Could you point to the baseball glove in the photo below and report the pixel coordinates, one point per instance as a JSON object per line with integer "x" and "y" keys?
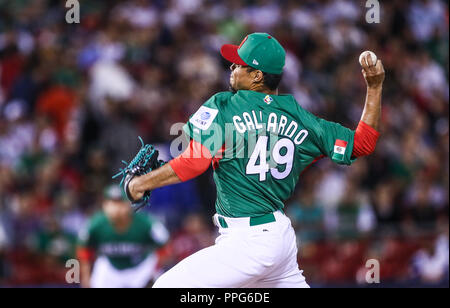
{"x": 145, "y": 161}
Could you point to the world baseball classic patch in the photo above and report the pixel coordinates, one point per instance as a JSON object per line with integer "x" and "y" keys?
{"x": 340, "y": 146}
{"x": 204, "y": 117}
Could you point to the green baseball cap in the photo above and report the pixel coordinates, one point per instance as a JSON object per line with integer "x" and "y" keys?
{"x": 114, "y": 192}
{"x": 258, "y": 50}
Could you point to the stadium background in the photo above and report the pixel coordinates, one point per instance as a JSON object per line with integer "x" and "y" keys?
{"x": 74, "y": 98}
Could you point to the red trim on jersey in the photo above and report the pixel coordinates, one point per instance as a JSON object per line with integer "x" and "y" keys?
{"x": 365, "y": 140}
{"x": 192, "y": 162}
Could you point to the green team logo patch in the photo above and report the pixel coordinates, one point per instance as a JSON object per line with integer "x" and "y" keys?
{"x": 339, "y": 150}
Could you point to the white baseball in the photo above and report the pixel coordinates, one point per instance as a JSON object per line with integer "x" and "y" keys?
{"x": 372, "y": 55}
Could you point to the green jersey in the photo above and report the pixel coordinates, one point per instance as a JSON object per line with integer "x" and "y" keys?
{"x": 125, "y": 249}
{"x": 260, "y": 144}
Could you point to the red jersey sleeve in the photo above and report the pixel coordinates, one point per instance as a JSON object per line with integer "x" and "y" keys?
{"x": 365, "y": 140}
{"x": 192, "y": 162}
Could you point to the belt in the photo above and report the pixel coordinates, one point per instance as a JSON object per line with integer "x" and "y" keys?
{"x": 253, "y": 221}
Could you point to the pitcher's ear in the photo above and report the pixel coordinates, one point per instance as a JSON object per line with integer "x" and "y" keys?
{"x": 259, "y": 76}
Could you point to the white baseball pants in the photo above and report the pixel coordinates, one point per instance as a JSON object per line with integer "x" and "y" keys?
{"x": 244, "y": 256}
{"x": 104, "y": 275}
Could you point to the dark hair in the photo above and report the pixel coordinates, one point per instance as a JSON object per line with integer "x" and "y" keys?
{"x": 271, "y": 81}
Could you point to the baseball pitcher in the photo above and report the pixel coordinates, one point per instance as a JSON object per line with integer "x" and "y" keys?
{"x": 258, "y": 142}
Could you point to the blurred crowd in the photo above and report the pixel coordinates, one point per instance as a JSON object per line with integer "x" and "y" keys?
{"x": 75, "y": 97}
